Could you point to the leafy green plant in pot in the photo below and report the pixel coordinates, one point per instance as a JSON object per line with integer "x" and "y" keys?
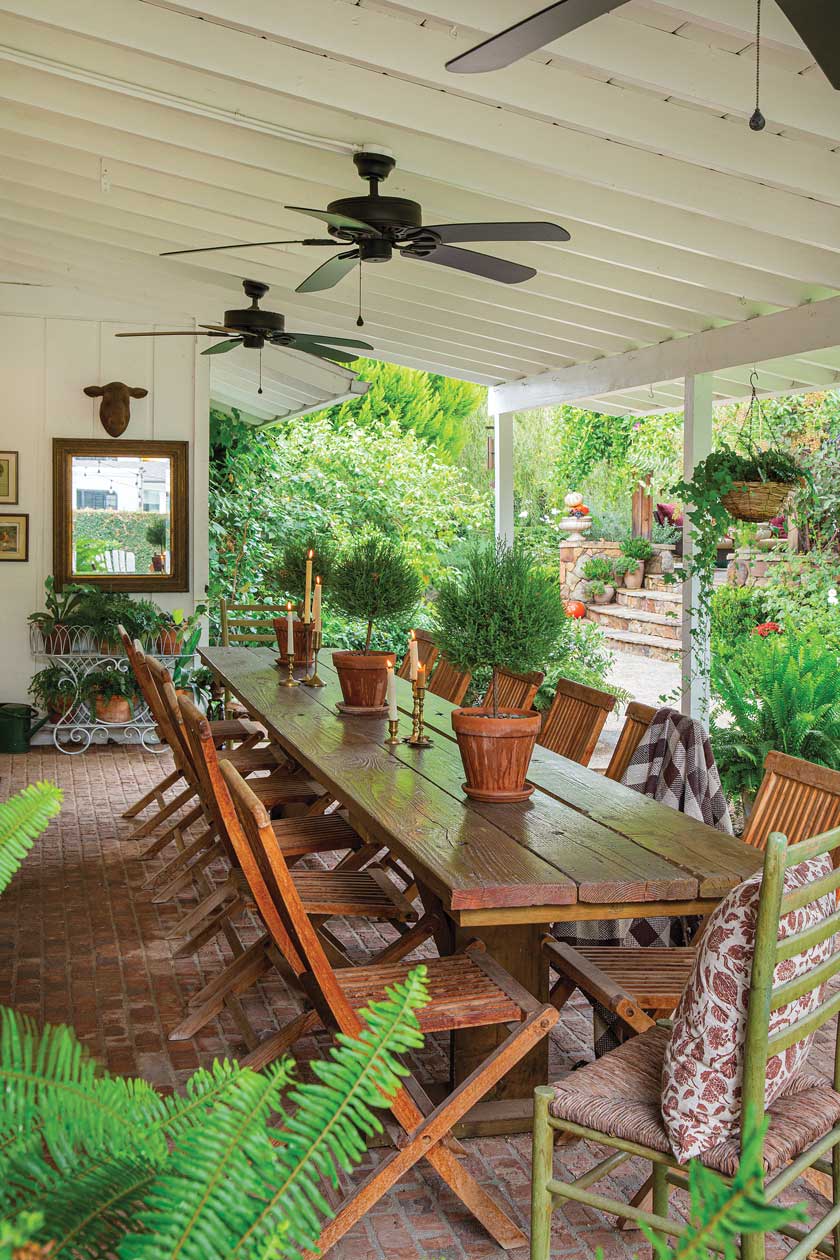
{"x": 600, "y": 574}
{"x": 59, "y": 609}
{"x": 634, "y": 553}
{"x": 156, "y": 537}
{"x": 289, "y": 577}
{"x": 372, "y": 578}
{"x": 112, "y": 694}
{"x": 53, "y": 689}
{"x": 499, "y": 612}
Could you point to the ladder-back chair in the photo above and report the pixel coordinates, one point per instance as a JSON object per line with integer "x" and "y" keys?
{"x": 803, "y": 1137}
{"x": 248, "y": 625}
{"x": 513, "y": 691}
{"x": 468, "y": 989}
{"x": 637, "y": 719}
{"x": 575, "y": 720}
{"x": 641, "y": 985}
{"x": 448, "y": 682}
{"x": 326, "y": 894}
{"x": 427, "y": 652}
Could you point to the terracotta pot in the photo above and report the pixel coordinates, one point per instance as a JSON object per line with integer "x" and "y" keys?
{"x": 158, "y": 563}
{"x": 634, "y": 578}
{"x": 606, "y": 598}
{"x": 364, "y": 678}
{"x": 109, "y": 647}
{"x": 280, "y": 629}
{"x": 59, "y": 707}
{"x": 59, "y": 642}
{"x": 116, "y": 709}
{"x": 496, "y": 752}
{"x": 168, "y": 642}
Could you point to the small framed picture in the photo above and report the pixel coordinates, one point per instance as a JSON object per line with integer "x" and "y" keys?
{"x": 8, "y": 476}
{"x": 14, "y": 536}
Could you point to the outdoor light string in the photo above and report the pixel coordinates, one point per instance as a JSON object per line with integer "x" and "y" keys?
{"x": 758, "y": 122}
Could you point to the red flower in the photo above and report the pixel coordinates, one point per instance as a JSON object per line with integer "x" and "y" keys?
{"x": 768, "y": 627}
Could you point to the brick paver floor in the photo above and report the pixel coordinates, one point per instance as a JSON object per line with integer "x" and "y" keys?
{"x": 82, "y": 943}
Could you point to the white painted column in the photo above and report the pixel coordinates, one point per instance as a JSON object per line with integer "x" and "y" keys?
{"x": 697, "y": 443}
{"x": 503, "y": 444}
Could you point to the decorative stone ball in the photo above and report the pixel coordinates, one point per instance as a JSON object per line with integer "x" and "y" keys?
{"x": 574, "y": 608}
{"x": 573, "y": 500}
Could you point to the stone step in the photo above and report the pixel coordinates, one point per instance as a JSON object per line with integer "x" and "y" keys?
{"x": 650, "y": 645}
{"x": 655, "y": 582}
{"x": 650, "y": 600}
{"x": 635, "y": 620}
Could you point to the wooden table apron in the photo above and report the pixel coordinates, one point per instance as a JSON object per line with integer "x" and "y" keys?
{"x": 583, "y": 847}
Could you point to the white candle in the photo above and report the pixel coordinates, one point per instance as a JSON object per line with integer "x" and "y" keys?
{"x": 393, "y": 713}
{"x": 316, "y": 606}
{"x": 413, "y": 659}
{"x": 421, "y": 675}
{"x": 307, "y": 593}
{"x": 290, "y": 631}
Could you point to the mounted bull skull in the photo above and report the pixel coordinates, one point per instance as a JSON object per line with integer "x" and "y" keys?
{"x": 114, "y": 410}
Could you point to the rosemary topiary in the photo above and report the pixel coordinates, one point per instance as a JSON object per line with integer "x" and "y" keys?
{"x": 500, "y": 611}
{"x": 374, "y": 578}
{"x": 156, "y": 534}
{"x": 289, "y": 573}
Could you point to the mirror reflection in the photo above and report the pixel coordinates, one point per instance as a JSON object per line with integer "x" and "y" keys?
{"x": 121, "y": 515}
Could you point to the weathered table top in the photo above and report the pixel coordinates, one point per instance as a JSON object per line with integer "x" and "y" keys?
{"x": 581, "y": 847}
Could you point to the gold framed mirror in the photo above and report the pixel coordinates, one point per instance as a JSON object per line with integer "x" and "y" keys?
{"x": 121, "y": 514}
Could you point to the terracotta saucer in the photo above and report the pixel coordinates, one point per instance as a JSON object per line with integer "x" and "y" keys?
{"x": 354, "y": 710}
{"x": 498, "y": 798}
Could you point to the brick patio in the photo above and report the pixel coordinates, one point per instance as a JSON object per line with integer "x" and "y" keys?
{"x": 82, "y": 943}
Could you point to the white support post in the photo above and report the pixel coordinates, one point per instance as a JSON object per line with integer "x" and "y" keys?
{"x": 503, "y": 443}
{"x": 697, "y": 443}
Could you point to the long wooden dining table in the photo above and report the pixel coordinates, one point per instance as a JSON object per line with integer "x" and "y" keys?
{"x": 582, "y": 847}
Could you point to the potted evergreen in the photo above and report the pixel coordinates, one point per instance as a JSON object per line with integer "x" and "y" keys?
{"x": 499, "y": 612}
{"x": 600, "y": 578}
{"x": 289, "y": 578}
{"x": 156, "y": 537}
{"x": 371, "y": 578}
{"x": 635, "y": 551}
{"x": 111, "y": 694}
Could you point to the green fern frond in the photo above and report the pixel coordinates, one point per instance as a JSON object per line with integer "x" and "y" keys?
{"x": 23, "y": 818}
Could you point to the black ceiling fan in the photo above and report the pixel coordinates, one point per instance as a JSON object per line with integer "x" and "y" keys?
{"x": 254, "y": 328}
{"x": 374, "y": 226}
{"x": 816, "y": 22}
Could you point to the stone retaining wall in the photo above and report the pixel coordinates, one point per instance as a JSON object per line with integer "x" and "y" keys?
{"x": 574, "y": 555}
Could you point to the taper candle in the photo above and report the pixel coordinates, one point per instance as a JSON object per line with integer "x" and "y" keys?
{"x": 421, "y": 676}
{"x": 307, "y": 592}
{"x": 391, "y": 694}
{"x": 316, "y": 606}
{"x": 290, "y": 630}
{"x": 413, "y": 658}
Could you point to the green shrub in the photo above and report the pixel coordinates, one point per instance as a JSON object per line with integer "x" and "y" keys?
{"x": 736, "y": 611}
{"x": 288, "y": 575}
{"x": 582, "y": 654}
{"x": 636, "y": 548}
{"x": 51, "y": 687}
{"x": 598, "y": 569}
{"x": 101, "y": 529}
{"x": 374, "y": 578}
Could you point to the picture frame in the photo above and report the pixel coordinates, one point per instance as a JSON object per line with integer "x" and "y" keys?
{"x": 9, "y": 492}
{"x": 14, "y": 536}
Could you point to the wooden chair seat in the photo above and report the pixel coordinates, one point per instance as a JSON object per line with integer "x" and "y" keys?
{"x": 367, "y": 894}
{"x": 322, "y": 833}
{"x": 247, "y": 760}
{"x": 286, "y": 790}
{"x": 236, "y": 728}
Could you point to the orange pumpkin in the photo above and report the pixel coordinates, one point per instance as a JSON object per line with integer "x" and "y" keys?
{"x": 574, "y": 608}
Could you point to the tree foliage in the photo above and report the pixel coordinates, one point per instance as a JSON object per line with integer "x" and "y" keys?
{"x": 372, "y": 578}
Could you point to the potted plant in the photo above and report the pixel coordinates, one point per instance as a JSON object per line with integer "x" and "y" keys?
{"x": 634, "y": 551}
{"x": 498, "y": 612}
{"x": 54, "y": 622}
{"x": 372, "y": 578}
{"x": 176, "y": 628}
{"x": 599, "y": 573}
{"x": 156, "y": 537}
{"x": 289, "y": 577}
{"x": 111, "y": 693}
{"x": 53, "y": 689}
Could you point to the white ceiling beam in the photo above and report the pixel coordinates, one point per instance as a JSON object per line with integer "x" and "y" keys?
{"x": 753, "y": 341}
{"x": 352, "y": 395}
{"x": 678, "y": 183}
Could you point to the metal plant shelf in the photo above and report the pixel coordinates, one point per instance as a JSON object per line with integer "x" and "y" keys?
{"x": 78, "y": 651}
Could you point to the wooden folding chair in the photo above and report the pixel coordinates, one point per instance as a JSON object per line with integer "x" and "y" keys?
{"x": 642, "y": 985}
{"x": 637, "y": 719}
{"x": 623, "y": 1091}
{"x": 575, "y": 720}
{"x": 427, "y": 652}
{"x": 367, "y": 894}
{"x": 448, "y": 682}
{"x": 514, "y": 691}
{"x": 468, "y": 990}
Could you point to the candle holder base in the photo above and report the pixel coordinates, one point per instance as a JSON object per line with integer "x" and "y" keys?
{"x": 312, "y": 681}
{"x": 290, "y": 680}
{"x": 422, "y": 741}
{"x": 393, "y": 732}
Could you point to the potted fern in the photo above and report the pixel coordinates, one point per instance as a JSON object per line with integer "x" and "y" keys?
{"x": 111, "y": 693}
{"x": 156, "y": 537}
{"x": 52, "y": 688}
{"x": 372, "y": 578}
{"x": 499, "y": 612}
{"x": 634, "y": 553}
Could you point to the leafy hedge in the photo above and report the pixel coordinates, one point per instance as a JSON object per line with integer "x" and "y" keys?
{"x": 123, "y": 530}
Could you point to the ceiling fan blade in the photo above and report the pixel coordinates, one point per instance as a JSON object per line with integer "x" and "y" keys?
{"x": 220, "y": 328}
{"x": 326, "y": 339}
{"x": 184, "y": 333}
{"x": 532, "y": 33}
{"x": 211, "y": 249}
{"x": 222, "y": 347}
{"x": 476, "y": 264}
{"x": 450, "y": 232}
{"x": 321, "y": 352}
{"x": 341, "y": 221}
{"x": 329, "y": 273}
{"x": 817, "y": 23}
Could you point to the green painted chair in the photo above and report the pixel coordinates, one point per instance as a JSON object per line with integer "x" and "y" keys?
{"x": 633, "y": 1078}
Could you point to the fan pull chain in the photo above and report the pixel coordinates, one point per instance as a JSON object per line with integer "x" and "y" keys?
{"x": 360, "y": 323}
{"x": 758, "y": 122}
{"x": 259, "y": 391}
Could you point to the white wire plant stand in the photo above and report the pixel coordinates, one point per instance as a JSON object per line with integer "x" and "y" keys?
{"x": 78, "y": 651}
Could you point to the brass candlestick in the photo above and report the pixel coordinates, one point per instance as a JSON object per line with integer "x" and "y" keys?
{"x": 313, "y": 647}
{"x": 290, "y": 681}
{"x": 393, "y": 731}
{"x": 417, "y": 738}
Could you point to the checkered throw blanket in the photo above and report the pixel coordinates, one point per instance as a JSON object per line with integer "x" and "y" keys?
{"x": 672, "y": 764}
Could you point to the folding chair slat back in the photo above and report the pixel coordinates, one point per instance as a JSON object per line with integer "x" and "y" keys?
{"x": 427, "y": 651}
{"x": 514, "y": 691}
{"x": 575, "y": 720}
{"x": 448, "y": 682}
{"x": 637, "y": 719}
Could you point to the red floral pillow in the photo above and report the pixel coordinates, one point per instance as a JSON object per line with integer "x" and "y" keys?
{"x": 704, "y": 1061}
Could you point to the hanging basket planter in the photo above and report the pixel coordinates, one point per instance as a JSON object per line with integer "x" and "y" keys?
{"x": 756, "y": 500}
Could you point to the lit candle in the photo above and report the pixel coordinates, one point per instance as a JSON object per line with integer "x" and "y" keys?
{"x": 316, "y": 606}
{"x": 290, "y": 631}
{"x": 307, "y": 593}
{"x": 413, "y": 659}
{"x": 393, "y": 713}
{"x": 421, "y": 675}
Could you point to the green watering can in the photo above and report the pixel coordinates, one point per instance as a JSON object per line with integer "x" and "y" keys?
{"x": 17, "y": 727}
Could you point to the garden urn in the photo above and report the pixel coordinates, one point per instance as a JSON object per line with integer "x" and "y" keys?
{"x": 634, "y": 578}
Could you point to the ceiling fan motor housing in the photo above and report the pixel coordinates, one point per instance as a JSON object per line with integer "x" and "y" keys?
{"x": 252, "y": 319}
